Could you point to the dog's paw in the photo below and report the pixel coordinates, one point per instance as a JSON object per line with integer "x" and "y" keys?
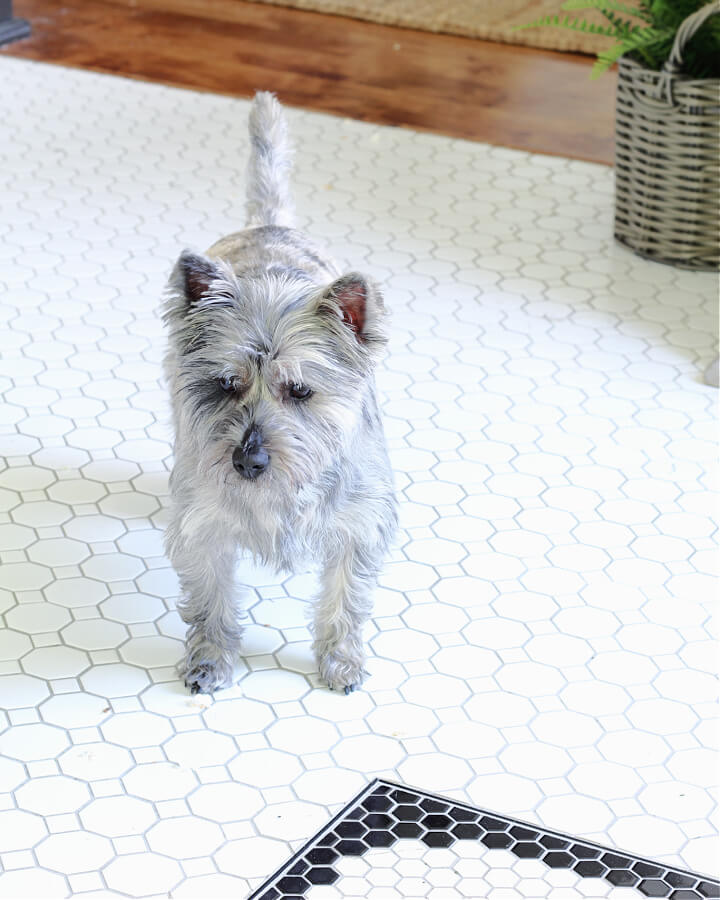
{"x": 342, "y": 673}
{"x": 204, "y": 675}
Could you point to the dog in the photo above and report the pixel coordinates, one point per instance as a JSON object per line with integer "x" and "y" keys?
{"x": 279, "y": 445}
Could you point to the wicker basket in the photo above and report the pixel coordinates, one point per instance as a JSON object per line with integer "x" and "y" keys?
{"x": 667, "y": 159}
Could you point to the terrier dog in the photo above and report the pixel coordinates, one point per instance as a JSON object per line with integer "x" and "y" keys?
{"x": 279, "y": 446}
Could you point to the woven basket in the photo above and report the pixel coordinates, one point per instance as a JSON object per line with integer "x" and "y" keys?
{"x": 667, "y": 159}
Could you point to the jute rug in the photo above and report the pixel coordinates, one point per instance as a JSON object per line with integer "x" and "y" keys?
{"x": 492, "y": 20}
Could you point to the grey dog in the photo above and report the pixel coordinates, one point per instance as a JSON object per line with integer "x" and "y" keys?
{"x": 279, "y": 446}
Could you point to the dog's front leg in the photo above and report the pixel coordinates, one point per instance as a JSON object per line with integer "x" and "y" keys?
{"x": 205, "y": 564}
{"x": 344, "y": 605}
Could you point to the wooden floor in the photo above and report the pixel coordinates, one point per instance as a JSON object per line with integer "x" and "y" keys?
{"x": 512, "y": 96}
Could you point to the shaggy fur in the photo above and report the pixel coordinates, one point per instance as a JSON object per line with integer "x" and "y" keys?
{"x": 279, "y": 447}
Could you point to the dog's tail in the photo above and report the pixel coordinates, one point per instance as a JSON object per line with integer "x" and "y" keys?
{"x": 268, "y": 189}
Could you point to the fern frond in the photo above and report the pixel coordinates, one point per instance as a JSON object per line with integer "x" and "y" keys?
{"x": 624, "y": 27}
{"x": 637, "y": 42}
{"x": 607, "y": 59}
{"x": 647, "y": 36}
{"x": 640, "y": 12}
{"x": 571, "y": 24}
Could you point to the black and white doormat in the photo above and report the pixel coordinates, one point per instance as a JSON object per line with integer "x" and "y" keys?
{"x": 395, "y": 841}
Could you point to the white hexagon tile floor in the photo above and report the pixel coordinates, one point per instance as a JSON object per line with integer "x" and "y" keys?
{"x": 542, "y": 642}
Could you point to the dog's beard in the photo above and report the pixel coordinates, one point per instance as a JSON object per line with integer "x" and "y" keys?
{"x": 294, "y": 466}
{"x": 266, "y": 513}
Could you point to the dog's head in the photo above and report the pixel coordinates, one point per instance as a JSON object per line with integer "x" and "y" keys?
{"x": 268, "y": 370}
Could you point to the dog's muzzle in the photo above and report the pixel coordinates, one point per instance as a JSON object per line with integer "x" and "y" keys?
{"x": 250, "y": 458}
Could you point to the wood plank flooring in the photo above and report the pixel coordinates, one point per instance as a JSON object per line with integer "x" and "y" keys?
{"x": 518, "y": 97}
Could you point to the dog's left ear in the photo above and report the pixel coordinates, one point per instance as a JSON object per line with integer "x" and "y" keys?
{"x": 358, "y": 302}
{"x": 200, "y": 278}
{"x": 198, "y": 281}
{"x": 197, "y": 274}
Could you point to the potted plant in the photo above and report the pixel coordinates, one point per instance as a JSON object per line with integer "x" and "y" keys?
{"x": 667, "y": 123}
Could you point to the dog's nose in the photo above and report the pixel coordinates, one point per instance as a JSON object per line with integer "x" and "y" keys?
{"x": 251, "y": 459}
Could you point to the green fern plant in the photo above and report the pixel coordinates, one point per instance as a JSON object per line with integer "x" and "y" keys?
{"x": 645, "y": 32}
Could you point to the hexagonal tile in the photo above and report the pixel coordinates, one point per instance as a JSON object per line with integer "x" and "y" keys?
{"x": 52, "y": 795}
{"x": 466, "y": 662}
{"x": 113, "y": 567}
{"x": 544, "y": 761}
{"x": 239, "y": 716}
{"x": 36, "y": 618}
{"x": 95, "y": 761}
{"x": 24, "y": 576}
{"x": 129, "y": 504}
{"x": 74, "y": 592}
{"x": 94, "y": 634}
{"x": 336, "y": 707}
{"x": 225, "y": 802}
{"x": 76, "y": 490}
{"x": 251, "y": 857}
{"x": 115, "y": 680}
{"x": 13, "y": 644}
{"x": 131, "y": 608}
{"x": 159, "y": 781}
{"x": 33, "y": 883}
{"x": 265, "y": 768}
{"x": 12, "y": 774}
{"x": 117, "y": 816}
{"x": 15, "y": 537}
{"x": 94, "y": 528}
{"x": 633, "y": 748}
{"x": 42, "y": 514}
{"x": 290, "y": 821}
{"x": 137, "y": 729}
{"x": 74, "y": 710}
{"x": 404, "y": 645}
{"x": 302, "y": 735}
{"x": 368, "y": 752}
{"x": 274, "y": 686}
{"x": 501, "y": 709}
{"x": 21, "y": 830}
{"x": 196, "y": 748}
{"x": 55, "y": 662}
{"x": 185, "y": 837}
{"x": 138, "y": 874}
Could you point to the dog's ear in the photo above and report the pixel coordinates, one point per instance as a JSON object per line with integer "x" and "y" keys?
{"x": 358, "y": 302}
{"x": 197, "y": 278}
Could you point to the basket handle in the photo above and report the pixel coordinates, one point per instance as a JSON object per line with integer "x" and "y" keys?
{"x": 687, "y": 29}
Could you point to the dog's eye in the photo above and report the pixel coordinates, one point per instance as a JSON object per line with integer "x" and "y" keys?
{"x": 227, "y": 383}
{"x": 299, "y": 391}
